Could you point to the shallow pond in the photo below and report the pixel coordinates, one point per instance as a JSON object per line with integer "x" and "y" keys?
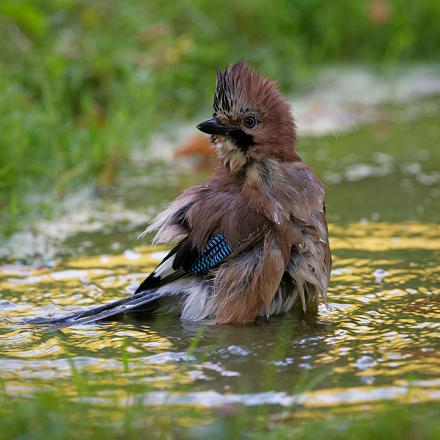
{"x": 377, "y": 341}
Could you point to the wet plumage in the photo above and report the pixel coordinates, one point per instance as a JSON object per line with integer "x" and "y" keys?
{"x": 253, "y": 239}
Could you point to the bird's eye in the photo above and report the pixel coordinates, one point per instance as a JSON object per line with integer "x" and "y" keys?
{"x": 250, "y": 122}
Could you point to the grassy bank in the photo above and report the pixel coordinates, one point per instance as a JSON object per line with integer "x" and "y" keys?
{"x": 83, "y": 82}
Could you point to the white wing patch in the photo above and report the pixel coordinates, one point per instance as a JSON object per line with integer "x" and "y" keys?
{"x": 165, "y": 268}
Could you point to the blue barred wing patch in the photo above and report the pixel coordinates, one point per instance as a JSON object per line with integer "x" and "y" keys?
{"x": 216, "y": 250}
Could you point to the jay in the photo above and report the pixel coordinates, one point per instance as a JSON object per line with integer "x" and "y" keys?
{"x": 252, "y": 240}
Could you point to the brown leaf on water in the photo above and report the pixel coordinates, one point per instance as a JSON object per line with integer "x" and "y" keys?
{"x": 199, "y": 147}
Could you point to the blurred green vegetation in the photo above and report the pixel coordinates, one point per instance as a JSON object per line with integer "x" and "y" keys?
{"x": 82, "y": 82}
{"x": 49, "y": 416}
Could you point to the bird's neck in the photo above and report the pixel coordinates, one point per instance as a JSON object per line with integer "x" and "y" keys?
{"x": 263, "y": 187}
{"x": 240, "y": 162}
{"x": 263, "y": 176}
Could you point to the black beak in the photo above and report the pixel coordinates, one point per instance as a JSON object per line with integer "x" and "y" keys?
{"x": 213, "y": 126}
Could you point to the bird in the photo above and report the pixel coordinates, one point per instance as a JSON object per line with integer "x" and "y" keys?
{"x": 252, "y": 240}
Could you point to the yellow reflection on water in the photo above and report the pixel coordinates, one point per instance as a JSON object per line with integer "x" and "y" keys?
{"x": 404, "y": 393}
{"x": 381, "y": 328}
{"x": 385, "y": 236}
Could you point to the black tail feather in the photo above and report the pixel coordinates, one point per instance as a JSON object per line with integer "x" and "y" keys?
{"x": 101, "y": 312}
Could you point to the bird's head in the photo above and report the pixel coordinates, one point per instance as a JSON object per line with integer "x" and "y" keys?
{"x": 251, "y": 119}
